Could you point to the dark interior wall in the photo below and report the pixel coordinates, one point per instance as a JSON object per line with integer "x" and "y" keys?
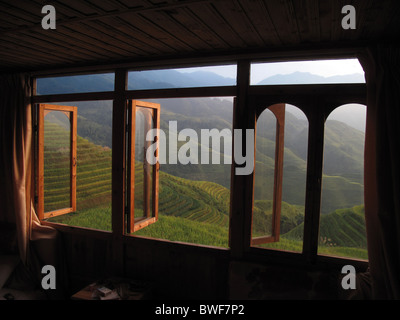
{"x": 181, "y": 271}
{"x": 177, "y": 271}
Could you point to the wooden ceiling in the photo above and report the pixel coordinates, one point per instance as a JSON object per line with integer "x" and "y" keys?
{"x": 90, "y": 32}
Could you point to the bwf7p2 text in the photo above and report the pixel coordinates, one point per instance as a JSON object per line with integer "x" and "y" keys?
{"x": 204, "y": 309}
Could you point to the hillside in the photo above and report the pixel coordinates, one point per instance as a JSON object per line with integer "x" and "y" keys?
{"x": 189, "y": 211}
{"x": 199, "y": 194}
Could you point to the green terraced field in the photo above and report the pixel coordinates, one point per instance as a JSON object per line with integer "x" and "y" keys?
{"x": 189, "y": 211}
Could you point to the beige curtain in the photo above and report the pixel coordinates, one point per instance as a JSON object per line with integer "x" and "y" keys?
{"x": 382, "y": 169}
{"x": 37, "y": 244}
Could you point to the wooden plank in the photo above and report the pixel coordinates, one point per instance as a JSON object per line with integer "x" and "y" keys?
{"x": 284, "y": 20}
{"x": 30, "y": 48}
{"x": 55, "y": 213}
{"x": 208, "y": 14}
{"x": 131, "y": 168}
{"x": 73, "y": 160}
{"x": 156, "y": 167}
{"x": 279, "y": 111}
{"x": 118, "y": 170}
{"x": 192, "y": 22}
{"x": 315, "y": 151}
{"x": 139, "y": 36}
{"x": 241, "y": 185}
{"x": 40, "y": 164}
{"x": 96, "y": 36}
{"x": 131, "y": 41}
{"x": 258, "y": 14}
{"x": 307, "y": 17}
{"x": 153, "y": 24}
{"x": 118, "y": 158}
{"x": 165, "y": 20}
{"x": 147, "y": 185}
{"x": 237, "y": 19}
{"x": 143, "y": 223}
{"x": 227, "y": 91}
{"x": 89, "y": 96}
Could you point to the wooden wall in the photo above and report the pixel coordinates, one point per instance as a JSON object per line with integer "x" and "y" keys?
{"x": 181, "y": 271}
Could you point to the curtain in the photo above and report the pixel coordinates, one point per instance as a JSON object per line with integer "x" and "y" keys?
{"x": 38, "y": 245}
{"x": 382, "y": 175}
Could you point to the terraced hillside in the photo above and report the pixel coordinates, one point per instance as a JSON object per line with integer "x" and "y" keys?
{"x": 93, "y": 170}
{"x": 189, "y": 211}
{"x": 202, "y": 205}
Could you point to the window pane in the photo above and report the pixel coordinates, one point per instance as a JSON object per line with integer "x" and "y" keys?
{"x": 182, "y": 78}
{"x": 143, "y": 170}
{"x": 307, "y": 72}
{"x": 264, "y": 174}
{"x": 93, "y": 177}
{"x": 342, "y": 223}
{"x": 294, "y": 178}
{"x": 57, "y": 161}
{"x": 194, "y": 186}
{"x": 75, "y": 84}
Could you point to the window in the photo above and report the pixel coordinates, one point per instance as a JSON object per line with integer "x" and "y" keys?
{"x": 92, "y": 170}
{"x": 313, "y": 166}
{"x": 342, "y": 222}
{"x": 182, "y": 78}
{"x": 56, "y": 160}
{"x": 280, "y": 178}
{"x": 142, "y": 174}
{"x": 268, "y": 175}
{"x": 307, "y": 72}
{"x": 174, "y": 155}
{"x": 75, "y": 84}
{"x": 195, "y": 167}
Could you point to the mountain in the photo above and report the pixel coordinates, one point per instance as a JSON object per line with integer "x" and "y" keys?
{"x": 308, "y": 78}
{"x": 197, "y": 211}
{"x": 343, "y": 166}
{"x": 137, "y": 80}
{"x": 164, "y": 79}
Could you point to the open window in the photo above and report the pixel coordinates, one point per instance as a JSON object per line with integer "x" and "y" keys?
{"x": 268, "y": 174}
{"x": 56, "y": 171}
{"x": 143, "y": 165}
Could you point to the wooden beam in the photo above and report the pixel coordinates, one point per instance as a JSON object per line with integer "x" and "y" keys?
{"x": 241, "y": 185}
{"x": 314, "y": 180}
{"x": 99, "y": 16}
{"x": 118, "y": 169}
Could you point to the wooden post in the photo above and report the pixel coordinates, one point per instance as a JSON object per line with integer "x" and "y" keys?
{"x": 118, "y": 169}
{"x": 314, "y": 181}
{"x": 241, "y": 185}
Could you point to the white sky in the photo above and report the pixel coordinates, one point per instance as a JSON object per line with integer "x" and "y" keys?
{"x": 324, "y": 68}
{"x": 260, "y": 71}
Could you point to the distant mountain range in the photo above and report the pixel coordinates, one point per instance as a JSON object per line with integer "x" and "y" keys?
{"x": 343, "y": 164}
{"x": 308, "y": 78}
{"x": 164, "y": 79}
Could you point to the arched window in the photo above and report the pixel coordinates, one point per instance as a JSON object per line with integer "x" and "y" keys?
{"x": 342, "y": 223}
{"x": 280, "y": 178}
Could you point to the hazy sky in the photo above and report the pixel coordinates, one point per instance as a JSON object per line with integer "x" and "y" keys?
{"x": 260, "y": 71}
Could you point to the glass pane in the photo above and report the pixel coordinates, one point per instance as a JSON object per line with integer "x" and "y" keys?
{"x": 342, "y": 223}
{"x": 294, "y": 179}
{"x": 75, "y": 84}
{"x": 182, "y": 78}
{"x": 57, "y": 161}
{"x": 194, "y": 194}
{"x": 93, "y": 176}
{"x": 307, "y": 72}
{"x": 264, "y": 174}
{"x": 143, "y": 170}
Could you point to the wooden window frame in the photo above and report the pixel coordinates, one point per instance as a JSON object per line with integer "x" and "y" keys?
{"x": 150, "y": 207}
{"x": 71, "y": 112}
{"x": 306, "y": 97}
{"x": 279, "y": 112}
